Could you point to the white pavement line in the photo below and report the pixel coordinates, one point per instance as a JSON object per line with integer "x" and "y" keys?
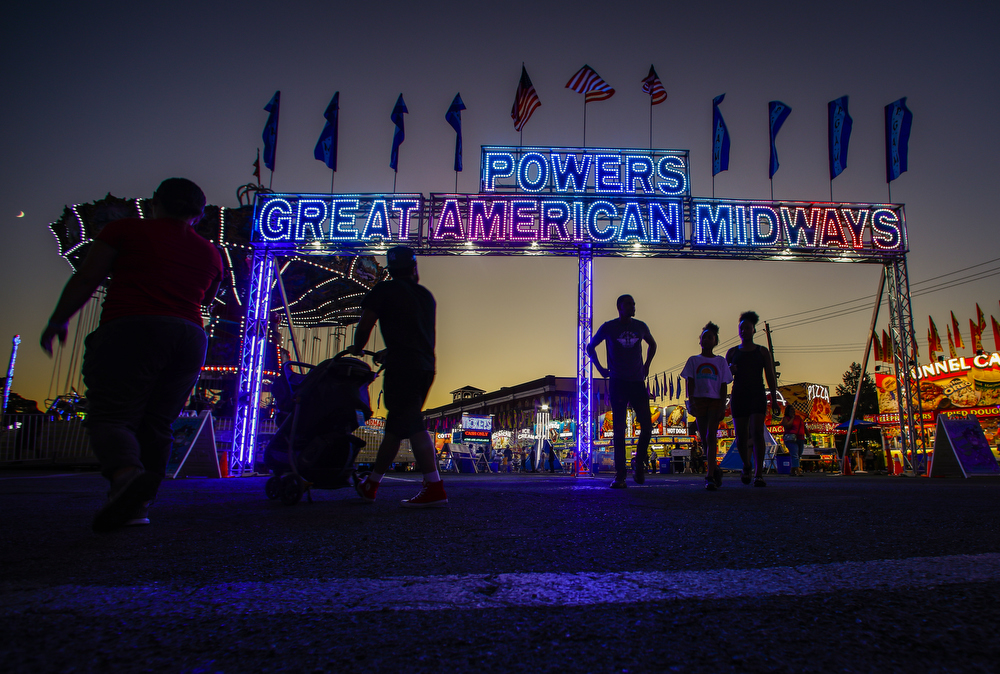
{"x": 506, "y": 590}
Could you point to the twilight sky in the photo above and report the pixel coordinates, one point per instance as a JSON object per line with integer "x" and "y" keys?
{"x": 115, "y": 96}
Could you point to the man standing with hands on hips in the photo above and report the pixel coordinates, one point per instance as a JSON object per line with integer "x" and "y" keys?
{"x": 627, "y": 370}
{"x": 406, "y": 312}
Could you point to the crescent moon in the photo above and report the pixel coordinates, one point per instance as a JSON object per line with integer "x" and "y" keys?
{"x": 20, "y": 214}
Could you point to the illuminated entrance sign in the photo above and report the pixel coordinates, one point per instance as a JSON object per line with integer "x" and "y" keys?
{"x": 610, "y": 202}
{"x": 568, "y": 170}
{"x": 797, "y": 226}
{"x": 581, "y": 202}
{"x": 347, "y": 219}
{"x": 519, "y": 219}
{"x": 609, "y": 225}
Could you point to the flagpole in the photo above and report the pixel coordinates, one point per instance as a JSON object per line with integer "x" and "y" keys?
{"x": 651, "y": 118}
{"x": 333, "y": 174}
{"x": 270, "y": 181}
{"x": 456, "y": 182}
{"x": 771, "y": 180}
{"x": 831, "y": 190}
{"x": 585, "y": 120}
{"x": 395, "y": 172}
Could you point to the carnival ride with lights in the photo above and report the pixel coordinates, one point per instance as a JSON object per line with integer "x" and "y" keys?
{"x": 323, "y": 295}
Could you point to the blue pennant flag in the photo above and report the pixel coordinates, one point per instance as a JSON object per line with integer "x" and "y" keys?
{"x": 326, "y": 146}
{"x": 720, "y": 139}
{"x": 454, "y": 117}
{"x": 397, "y": 137}
{"x": 840, "y": 135}
{"x": 777, "y": 113}
{"x": 898, "y": 120}
{"x": 270, "y": 134}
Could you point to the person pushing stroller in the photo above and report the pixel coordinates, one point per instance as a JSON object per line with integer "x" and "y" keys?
{"x": 405, "y": 311}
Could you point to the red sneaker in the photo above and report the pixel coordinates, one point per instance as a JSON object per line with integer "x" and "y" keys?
{"x": 431, "y": 496}
{"x": 366, "y": 490}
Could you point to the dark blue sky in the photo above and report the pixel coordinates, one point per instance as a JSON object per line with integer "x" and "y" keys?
{"x": 113, "y": 97}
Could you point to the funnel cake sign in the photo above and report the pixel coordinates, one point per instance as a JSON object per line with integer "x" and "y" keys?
{"x": 611, "y": 200}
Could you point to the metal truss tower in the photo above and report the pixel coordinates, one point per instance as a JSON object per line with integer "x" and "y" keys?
{"x": 904, "y": 353}
{"x": 258, "y": 303}
{"x": 584, "y": 380}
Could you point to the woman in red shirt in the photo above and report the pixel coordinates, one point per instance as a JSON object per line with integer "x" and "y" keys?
{"x": 794, "y": 436}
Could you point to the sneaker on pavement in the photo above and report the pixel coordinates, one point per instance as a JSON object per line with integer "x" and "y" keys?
{"x": 432, "y": 495}
{"x": 759, "y": 482}
{"x": 710, "y": 484}
{"x": 366, "y": 490}
{"x": 140, "y": 517}
{"x": 126, "y": 496}
{"x": 619, "y": 483}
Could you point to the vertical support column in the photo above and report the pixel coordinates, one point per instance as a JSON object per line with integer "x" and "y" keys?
{"x": 252, "y": 359}
{"x": 584, "y": 380}
{"x": 904, "y": 351}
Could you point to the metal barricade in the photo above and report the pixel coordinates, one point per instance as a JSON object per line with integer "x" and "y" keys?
{"x": 40, "y": 437}
{"x": 373, "y": 438}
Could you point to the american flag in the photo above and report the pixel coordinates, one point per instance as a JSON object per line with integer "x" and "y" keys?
{"x": 525, "y": 101}
{"x": 654, "y": 87}
{"x": 588, "y": 82}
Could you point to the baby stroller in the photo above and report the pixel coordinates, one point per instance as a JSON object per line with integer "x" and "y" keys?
{"x": 313, "y": 446}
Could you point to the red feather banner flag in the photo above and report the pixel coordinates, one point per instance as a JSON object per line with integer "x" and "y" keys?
{"x": 887, "y": 348}
{"x": 951, "y": 345}
{"x": 958, "y": 335}
{"x": 877, "y": 346}
{"x": 933, "y": 339}
{"x": 975, "y": 337}
{"x": 996, "y": 333}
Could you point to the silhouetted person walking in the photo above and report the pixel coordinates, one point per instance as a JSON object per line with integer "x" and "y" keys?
{"x": 751, "y": 364}
{"x": 406, "y": 313}
{"x": 627, "y": 370}
{"x": 144, "y": 359}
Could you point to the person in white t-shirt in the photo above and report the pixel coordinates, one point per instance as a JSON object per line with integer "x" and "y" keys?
{"x": 707, "y": 377}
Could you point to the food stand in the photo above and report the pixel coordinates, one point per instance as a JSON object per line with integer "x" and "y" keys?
{"x": 956, "y": 388}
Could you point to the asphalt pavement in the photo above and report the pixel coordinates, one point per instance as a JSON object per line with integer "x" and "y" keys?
{"x": 525, "y": 573}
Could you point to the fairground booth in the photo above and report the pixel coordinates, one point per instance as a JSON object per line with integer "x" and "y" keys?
{"x": 954, "y": 388}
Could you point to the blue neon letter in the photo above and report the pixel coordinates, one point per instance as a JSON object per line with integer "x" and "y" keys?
{"x": 669, "y": 222}
{"x": 524, "y": 170}
{"x": 641, "y": 169}
{"x": 595, "y": 209}
{"x": 342, "y": 221}
{"x": 672, "y": 170}
{"x": 496, "y": 165}
{"x": 276, "y": 220}
{"x": 609, "y": 174}
{"x": 578, "y": 173}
